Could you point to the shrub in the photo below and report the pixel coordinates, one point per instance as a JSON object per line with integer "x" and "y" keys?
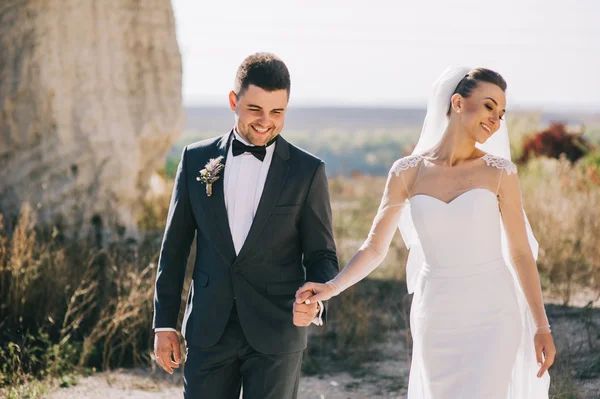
{"x": 555, "y": 141}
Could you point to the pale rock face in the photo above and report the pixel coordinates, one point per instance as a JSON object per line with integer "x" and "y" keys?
{"x": 90, "y": 103}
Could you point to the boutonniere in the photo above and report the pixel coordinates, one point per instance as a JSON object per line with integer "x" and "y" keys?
{"x": 209, "y": 174}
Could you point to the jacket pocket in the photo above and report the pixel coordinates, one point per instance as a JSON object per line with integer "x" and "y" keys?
{"x": 200, "y": 279}
{"x": 287, "y": 288}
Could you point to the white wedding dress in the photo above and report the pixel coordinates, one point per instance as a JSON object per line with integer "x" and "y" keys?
{"x": 473, "y": 315}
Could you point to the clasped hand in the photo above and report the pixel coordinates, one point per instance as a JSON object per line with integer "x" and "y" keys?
{"x": 306, "y": 305}
{"x": 304, "y": 313}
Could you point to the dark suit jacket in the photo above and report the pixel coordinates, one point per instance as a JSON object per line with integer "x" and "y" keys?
{"x": 290, "y": 242}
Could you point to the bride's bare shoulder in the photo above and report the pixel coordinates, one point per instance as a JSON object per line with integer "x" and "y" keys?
{"x": 406, "y": 163}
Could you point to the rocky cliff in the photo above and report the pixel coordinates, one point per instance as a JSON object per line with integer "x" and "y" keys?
{"x": 90, "y": 103}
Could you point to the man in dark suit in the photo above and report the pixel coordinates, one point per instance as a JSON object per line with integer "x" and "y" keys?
{"x": 259, "y": 208}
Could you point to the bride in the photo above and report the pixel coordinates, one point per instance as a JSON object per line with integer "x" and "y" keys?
{"x": 477, "y": 317}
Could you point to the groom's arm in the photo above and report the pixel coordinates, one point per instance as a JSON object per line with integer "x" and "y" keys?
{"x": 318, "y": 245}
{"x": 179, "y": 234}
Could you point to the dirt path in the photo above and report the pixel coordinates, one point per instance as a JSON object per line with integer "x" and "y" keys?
{"x": 146, "y": 384}
{"x": 384, "y": 379}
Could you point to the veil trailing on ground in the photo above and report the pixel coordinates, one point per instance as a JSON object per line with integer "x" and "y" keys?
{"x": 434, "y": 126}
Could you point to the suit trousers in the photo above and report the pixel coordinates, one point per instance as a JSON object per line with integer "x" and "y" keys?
{"x": 220, "y": 371}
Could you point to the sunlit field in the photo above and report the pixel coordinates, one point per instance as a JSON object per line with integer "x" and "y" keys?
{"x": 68, "y": 307}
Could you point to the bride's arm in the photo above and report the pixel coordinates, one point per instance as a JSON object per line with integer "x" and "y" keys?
{"x": 513, "y": 217}
{"x": 373, "y": 251}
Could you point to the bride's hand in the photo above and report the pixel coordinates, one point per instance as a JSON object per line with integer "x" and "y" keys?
{"x": 313, "y": 292}
{"x": 544, "y": 343}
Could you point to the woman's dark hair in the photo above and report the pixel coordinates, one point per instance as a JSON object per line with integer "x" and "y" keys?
{"x": 264, "y": 70}
{"x": 471, "y": 79}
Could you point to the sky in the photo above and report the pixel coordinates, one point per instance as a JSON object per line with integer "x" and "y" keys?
{"x": 387, "y": 53}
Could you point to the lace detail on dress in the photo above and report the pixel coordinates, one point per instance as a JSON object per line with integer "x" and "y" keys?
{"x": 500, "y": 163}
{"x": 405, "y": 163}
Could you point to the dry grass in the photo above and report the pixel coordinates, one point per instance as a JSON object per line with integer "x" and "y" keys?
{"x": 563, "y": 205}
{"x": 66, "y": 305}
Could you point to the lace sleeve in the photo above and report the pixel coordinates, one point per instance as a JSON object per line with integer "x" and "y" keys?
{"x": 373, "y": 251}
{"x": 513, "y": 217}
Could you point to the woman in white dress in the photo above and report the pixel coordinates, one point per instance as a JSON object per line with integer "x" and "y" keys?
{"x": 477, "y": 317}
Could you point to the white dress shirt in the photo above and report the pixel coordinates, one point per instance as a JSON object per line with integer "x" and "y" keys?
{"x": 244, "y": 181}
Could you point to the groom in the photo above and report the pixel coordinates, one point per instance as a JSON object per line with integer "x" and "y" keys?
{"x": 262, "y": 219}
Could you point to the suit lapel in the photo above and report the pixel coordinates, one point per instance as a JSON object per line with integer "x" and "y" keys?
{"x": 278, "y": 171}
{"x": 215, "y": 204}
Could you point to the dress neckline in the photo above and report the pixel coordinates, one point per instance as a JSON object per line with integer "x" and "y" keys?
{"x": 463, "y": 194}
{"x": 468, "y": 162}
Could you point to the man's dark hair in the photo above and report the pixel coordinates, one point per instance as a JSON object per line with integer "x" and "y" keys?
{"x": 264, "y": 70}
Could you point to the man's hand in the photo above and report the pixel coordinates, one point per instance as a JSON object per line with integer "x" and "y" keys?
{"x": 165, "y": 344}
{"x": 304, "y": 314}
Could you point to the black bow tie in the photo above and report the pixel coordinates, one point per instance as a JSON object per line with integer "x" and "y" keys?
{"x": 258, "y": 151}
